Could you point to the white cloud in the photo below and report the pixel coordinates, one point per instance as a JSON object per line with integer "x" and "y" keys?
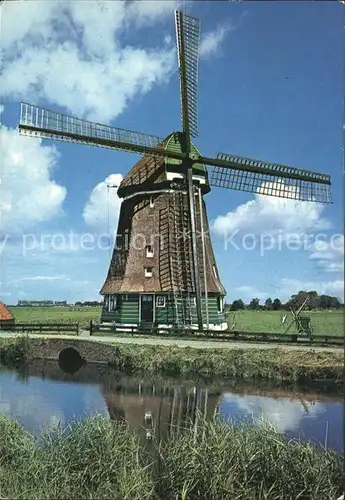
{"x": 288, "y": 287}
{"x": 28, "y": 194}
{"x": 74, "y": 57}
{"x": 46, "y": 278}
{"x": 270, "y": 215}
{"x": 283, "y": 413}
{"x": 143, "y": 13}
{"x": 249, "y": 292}
{"x": 329, "y": 255}
{"x": 211, "y": 42}
{"x": 103, "y": 207}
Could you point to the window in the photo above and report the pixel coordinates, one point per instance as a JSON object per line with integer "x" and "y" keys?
{"x": 220, "y": 302}
{"x": 148, "y": 272}
{"x": 215, "y": 272}
{"x": 192, "y": 302}
{"x": 161, "y": 301}
{"x": 149, "y": 251}
{"x": 112, "y": 302}
{"x": 147, "y": 298}
{"x": 152, "y": 203}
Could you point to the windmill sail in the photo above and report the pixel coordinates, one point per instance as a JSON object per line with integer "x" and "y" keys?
{"x": 41, "y": 122}
{"x": 270, "y": 179}
{"x": 188, "y": 40}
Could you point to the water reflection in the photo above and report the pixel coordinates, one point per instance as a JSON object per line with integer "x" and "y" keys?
{"x": 44, "y": 395}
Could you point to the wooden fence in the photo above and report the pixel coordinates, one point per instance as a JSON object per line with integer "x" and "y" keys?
{"x": 41, "y": 328}
{"x": 291, "y": 338}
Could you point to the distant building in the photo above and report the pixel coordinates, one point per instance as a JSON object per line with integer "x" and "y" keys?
{"x": 36, "y": 303}
{"x": 6, "y": 317}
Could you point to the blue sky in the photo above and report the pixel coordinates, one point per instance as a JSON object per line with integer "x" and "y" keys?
{"x": 271, "y": 85}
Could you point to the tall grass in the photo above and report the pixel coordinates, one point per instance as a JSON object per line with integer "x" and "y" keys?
{"x": 275, "y": 365}
{"x": 266, "y": 364}
{"x": 102, "y": 459}
{"x": 15, "y": 351}
{"x": 96, "y": 458}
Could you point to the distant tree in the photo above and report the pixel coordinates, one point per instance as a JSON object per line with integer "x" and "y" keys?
{"x": 89, "y": 303}
{"x": 254, "y": 304}
{"x": 268, "y": 304}
{"x": 276, "y": 305}
{"x": 237, "y": 305}
{"x": 328, "y": 302}
{"x": 297, "y": 299}
{"x": 315, "y": 301}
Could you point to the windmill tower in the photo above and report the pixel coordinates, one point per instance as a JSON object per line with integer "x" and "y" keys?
{"x": 163, "y": 269}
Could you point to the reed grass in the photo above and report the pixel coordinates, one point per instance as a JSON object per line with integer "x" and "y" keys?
{"x": 15, "y": 351}
{"x": 101, "y": 459}
{"x": 275, "y": 365}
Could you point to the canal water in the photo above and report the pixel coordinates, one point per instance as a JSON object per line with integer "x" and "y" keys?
{"x": 42, "y": 395}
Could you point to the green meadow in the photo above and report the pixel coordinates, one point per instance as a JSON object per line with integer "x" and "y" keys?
{"x": 326, "y": 322}
{"x": 323, "y": 322}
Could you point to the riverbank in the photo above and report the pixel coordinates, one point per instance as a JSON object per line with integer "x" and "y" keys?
{"x": 273, "y": 364}
{"x": 99, "y": 458}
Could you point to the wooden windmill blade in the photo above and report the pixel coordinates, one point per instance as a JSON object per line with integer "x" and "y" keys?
{"x": 266, "y": 178}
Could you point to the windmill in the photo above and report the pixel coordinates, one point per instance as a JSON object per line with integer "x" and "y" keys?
{"x": 174, "y": 281}
{"x": 302, "y": 322}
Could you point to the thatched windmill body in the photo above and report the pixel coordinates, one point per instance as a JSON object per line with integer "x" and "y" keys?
{"x": 163, "y": 269}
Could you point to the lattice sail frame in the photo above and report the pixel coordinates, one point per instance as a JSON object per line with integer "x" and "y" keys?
{"x": 48, "y": 124}
{"x": 188, "y": 41}
{"x": 274, "y": 180}
{"x": 227, "y": 171}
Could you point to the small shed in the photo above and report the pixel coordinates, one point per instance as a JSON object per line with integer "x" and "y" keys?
{"x": 6, "y": 317}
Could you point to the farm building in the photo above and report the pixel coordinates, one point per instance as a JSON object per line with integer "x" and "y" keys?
{"x": 6, "y": 317}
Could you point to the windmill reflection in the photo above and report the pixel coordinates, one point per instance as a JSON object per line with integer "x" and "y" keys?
{"x": 157, "y": 412}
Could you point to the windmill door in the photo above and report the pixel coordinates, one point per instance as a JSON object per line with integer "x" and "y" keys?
{"x": 146, "y": 309}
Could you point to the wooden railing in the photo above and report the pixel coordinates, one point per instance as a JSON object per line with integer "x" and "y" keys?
{"x": 291, "y": 338}
{"x": 41, "y": 327}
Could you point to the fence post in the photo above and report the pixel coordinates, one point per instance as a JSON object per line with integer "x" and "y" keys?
{"x": 91, "y": 328}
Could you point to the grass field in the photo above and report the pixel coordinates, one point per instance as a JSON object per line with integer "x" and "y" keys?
{"x": 324, "y": 322}
{"x": 56, "y": 315}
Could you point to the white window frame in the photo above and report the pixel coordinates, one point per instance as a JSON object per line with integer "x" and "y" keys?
{"x": 220, "y": 304}
{"x": 149, "y": 251}
{"x": 215, "y": 271}
{"x": 112, "y": 303}
{"x": 192, "y": 302}
{"x": 159, "y": 298}
{"x": 152, "y": 203}
{"x": 148, "y": 274}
